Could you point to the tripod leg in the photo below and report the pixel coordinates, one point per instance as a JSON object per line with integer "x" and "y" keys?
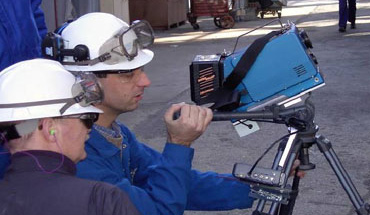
{"x": 287, "y": 166}
{"x": 284, "y": 159}
{"x": 275, "y": 165}
{"x": 343, "y": 177}
{"x": 288, "y": 209}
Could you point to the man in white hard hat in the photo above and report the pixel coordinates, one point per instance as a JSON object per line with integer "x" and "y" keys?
{"x": 45, "y": 117}
{"x": 158, "y": 183}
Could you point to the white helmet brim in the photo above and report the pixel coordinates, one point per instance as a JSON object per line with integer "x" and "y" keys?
{"x": 144, "y": 57}
{"x": 45, "y": 111}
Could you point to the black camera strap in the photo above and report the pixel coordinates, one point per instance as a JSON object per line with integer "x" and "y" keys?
{"x": 247, "y": 60}
{"x": 241, "y": 69}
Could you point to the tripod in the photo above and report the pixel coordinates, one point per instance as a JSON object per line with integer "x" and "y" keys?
{"x": 270, "y": 185}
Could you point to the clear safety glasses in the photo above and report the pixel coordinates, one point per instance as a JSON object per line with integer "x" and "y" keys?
{"x": 85, "y": 91}
{"x": 128, "y": 41}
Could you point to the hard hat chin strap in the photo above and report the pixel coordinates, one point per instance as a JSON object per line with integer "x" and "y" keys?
{"x": 101, "y": 58}
{"x": 26, "y": 104}
{"x": 69, "y": 102}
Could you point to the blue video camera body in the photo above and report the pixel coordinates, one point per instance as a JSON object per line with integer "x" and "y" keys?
{"x": 282, "y": 69}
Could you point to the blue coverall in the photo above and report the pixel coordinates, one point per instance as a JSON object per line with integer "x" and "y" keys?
{"x": 160, "y": 183}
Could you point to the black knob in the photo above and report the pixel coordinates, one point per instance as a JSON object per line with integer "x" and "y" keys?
{"x": 306, "y": 39}
{"x": 81, "y": 53}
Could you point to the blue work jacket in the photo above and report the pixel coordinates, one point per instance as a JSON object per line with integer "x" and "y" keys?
{"x": 22, "y": 28}
{"x": 4, "y": 161}
{"x": 160, "y": 183}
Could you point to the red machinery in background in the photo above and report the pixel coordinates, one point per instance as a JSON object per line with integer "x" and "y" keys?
{"x": 219, "y": 9}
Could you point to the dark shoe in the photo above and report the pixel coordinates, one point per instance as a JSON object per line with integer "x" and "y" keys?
{"x": 353, "y": 25}
{"x": 342, "y": 29}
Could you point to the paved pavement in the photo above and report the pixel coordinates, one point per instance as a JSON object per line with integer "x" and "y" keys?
{"x": 342, "y": 106}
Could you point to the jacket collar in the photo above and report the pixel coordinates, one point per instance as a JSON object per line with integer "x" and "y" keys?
{"x": 45, "y": 161}
{"x": 101, "y": 144}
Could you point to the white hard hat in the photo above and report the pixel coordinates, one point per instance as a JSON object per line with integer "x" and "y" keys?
{"x": 40, "y": 88}
{"x": 102, "y": 34}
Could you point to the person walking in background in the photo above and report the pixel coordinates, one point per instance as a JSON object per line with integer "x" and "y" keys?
{"x": 347, "y": 13}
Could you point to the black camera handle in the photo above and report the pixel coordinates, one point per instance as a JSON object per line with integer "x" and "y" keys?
{"x": 289, "y": 149}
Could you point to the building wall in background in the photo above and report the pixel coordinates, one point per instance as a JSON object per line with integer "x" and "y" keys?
{"x": 59, "y": 11}
{"x": 119, "y": 8}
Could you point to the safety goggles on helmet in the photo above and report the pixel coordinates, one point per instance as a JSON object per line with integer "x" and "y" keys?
{"x": 85, "y": 91}
{"x": 128, "y": 41}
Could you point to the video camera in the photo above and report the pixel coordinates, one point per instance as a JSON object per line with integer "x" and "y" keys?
{"x": 274, "y": 69}
{"x": 259, "y": 83}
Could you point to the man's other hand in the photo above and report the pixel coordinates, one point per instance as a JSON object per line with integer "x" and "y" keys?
{"x": 192, "y": 123}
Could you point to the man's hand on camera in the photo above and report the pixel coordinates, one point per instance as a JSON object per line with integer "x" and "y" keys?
{"x": 191, "y": 123}
{"x": 294, "y": 171}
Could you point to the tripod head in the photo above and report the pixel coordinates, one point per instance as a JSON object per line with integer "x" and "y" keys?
{"x": 299, "y": 117}
{"x": 265, "y": 185}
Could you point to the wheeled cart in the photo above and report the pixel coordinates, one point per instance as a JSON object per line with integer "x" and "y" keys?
{"x": 273, "y": 7}
{"x": 218, "y": 9}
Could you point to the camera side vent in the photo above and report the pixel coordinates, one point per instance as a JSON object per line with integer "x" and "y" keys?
{"x": 300, "y": 70}
{"x": 206, "y": 81}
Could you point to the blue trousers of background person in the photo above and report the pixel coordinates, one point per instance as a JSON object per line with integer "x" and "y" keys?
{"x": 347, "y": 12}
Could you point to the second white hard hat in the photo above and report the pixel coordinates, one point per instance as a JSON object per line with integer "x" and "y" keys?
{"x": 97, "y": 31}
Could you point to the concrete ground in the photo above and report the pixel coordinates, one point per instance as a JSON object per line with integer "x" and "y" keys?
{"x": 342, "y": 106}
